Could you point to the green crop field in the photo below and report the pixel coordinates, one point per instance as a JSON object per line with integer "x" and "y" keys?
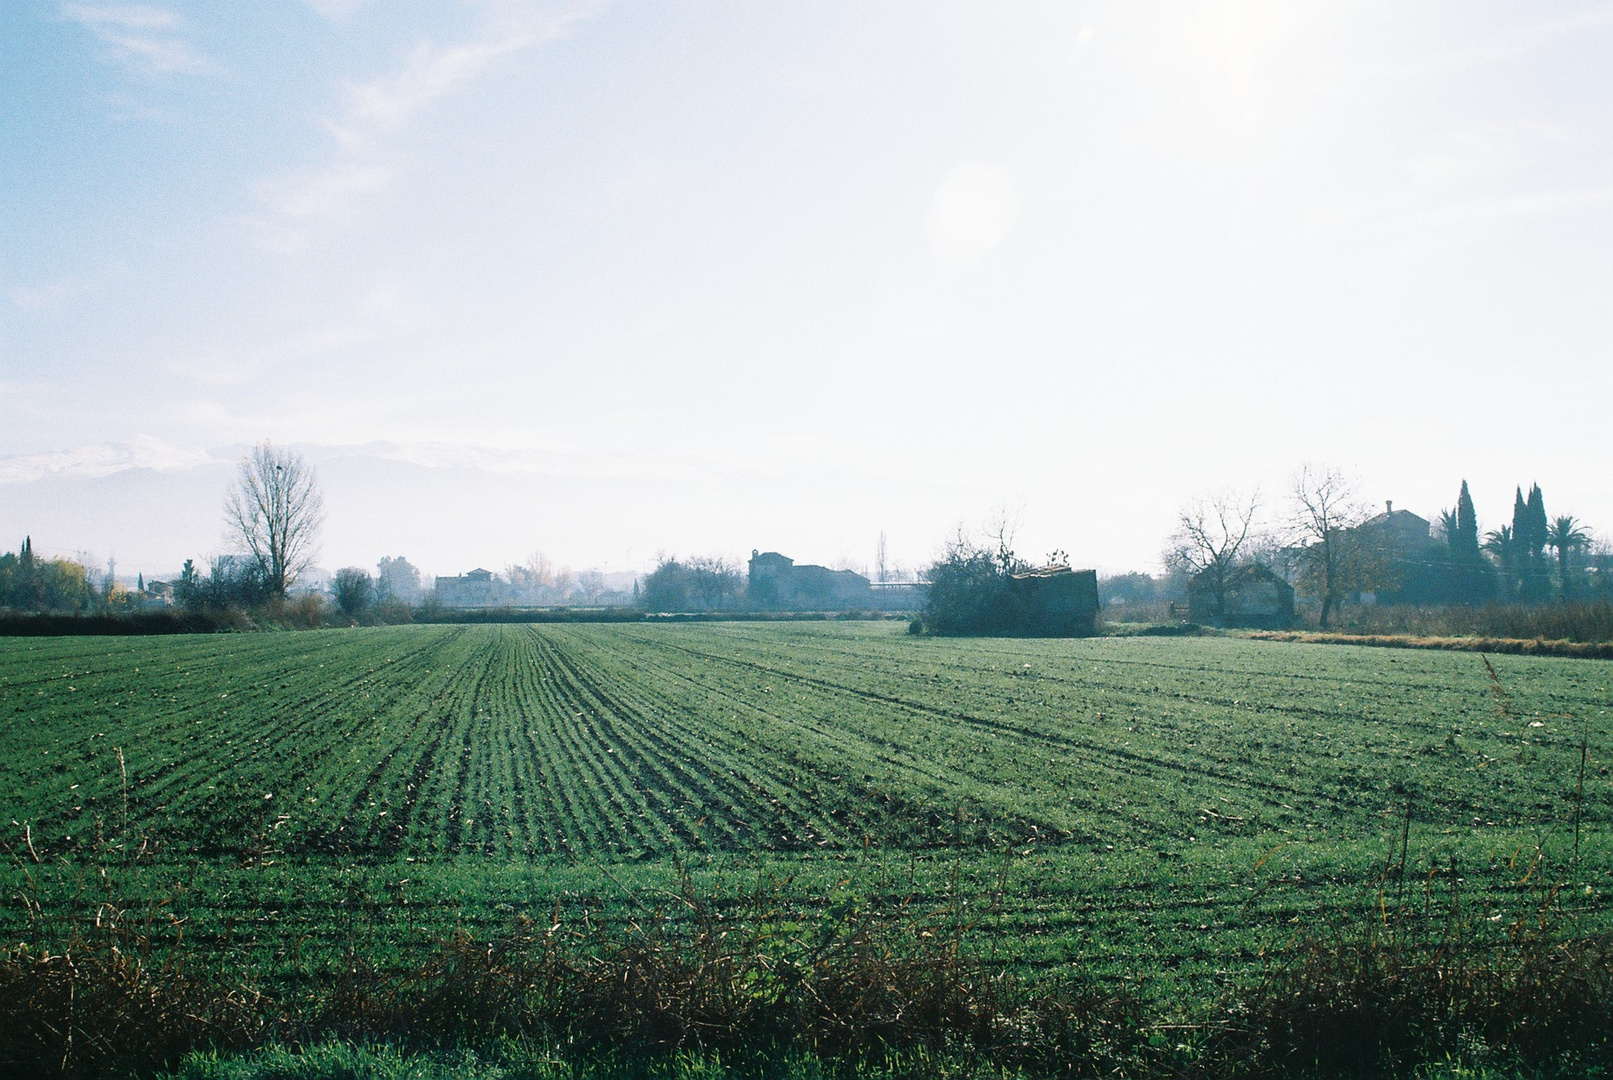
{"x": 1157, "y": 810}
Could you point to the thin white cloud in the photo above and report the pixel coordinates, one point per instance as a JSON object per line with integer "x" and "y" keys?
{"x": 145, "y": 452}
{"x": 369, "y": 111}
{"x": 102, "y": 459}
{"x": 431, "y": 73}
{"x": 297, "y": 200}
{"x": 526, "y": 460}
{"x": 1530, "y": 205}
{"x": 142, "y": 37}
{"x": 324, "y": 191}
{"x": 381, "y": 312}
{"x": 214, "y": 371}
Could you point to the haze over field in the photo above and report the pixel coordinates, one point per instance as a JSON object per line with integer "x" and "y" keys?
{"x": 615, "y": 279}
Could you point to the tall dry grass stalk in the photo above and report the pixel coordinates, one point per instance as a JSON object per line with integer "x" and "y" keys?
{"x": 1573, "y": 622}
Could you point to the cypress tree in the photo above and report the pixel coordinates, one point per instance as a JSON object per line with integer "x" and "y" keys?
{"x": 1467, "y": 564}
{"x": 1465, "y": 545}
{"x": 1521, "y": 571}
{"x": 1538, "y": 525}
{"x": 1538, "y": 586}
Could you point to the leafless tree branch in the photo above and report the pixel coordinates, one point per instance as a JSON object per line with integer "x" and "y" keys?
{"x": 274, "y": 511}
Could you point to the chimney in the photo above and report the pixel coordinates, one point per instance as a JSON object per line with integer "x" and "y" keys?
{"x": 1390, "y": 503}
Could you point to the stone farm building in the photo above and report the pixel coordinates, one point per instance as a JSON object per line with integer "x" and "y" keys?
{"x": 476, "y": 588}
{"x": 1400, "y": 530}
{"x": 1255, "y": 596}
{"x": 1401, "y": 558}
{"x": 777, "y": 584}
{"x": 1055, "y": 601}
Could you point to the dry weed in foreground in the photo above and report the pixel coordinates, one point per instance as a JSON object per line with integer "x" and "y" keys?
{"x": 745, "y": 976}
{"x": 1386, "y": 990}
{"x": 102, "y": 1001}
{"x": 740, "y": 977}
{"x": 1409, "y": 978}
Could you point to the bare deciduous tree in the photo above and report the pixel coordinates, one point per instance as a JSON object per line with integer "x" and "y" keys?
{"x": 275, "y": 510}
{"x": 1001, "y": 528}
{"x": 591, "y": 586}
{"x": 1325, "y": 512}
{"x": 398, "y": 580}
{"x": 1210, "y": 535}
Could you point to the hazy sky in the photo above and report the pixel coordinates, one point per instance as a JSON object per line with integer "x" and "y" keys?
{"x": 612, "y": 279}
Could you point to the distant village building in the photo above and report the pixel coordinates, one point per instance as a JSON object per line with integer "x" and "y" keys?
{"x": 776, "y": 583}
{"x": 1055, "y": 601}
{"x": 475, "y": 588}
{"x": 1255, "y": 597}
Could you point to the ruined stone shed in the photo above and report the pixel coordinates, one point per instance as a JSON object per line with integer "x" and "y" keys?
{"x": 1055, "y": 601}
{"x": 1255, "y": 596}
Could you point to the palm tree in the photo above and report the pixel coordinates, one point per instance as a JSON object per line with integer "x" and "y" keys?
{"x": 1449, "y": 527}
{"x": 1499, "y": 543}
{"x": 1563, "y": 536}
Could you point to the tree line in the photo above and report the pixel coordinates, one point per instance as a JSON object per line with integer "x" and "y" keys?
{"x": 29, "y": 582}
{"x": 1323, "y": 540}
{"x": 1333, "y": 549}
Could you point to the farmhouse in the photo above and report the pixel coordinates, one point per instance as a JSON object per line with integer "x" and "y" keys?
{"x": 1255, "y": 596}
{"x": 1401, "y": 562}
{"x": 778, "y": 584}
{"x": 475, "y": 588}
{"x": 1396, "y": 530}
{"x": 159, "y": 593}
{"x": 1055, "y": 601}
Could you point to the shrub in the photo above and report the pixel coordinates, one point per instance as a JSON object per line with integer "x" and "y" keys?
{"x": 353, "y": 591}
{"x": 231, "y": 582}
{"x": 969, "y": 592}
{"x": 304, "y": 611}
{"x": 699, "y": 584}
